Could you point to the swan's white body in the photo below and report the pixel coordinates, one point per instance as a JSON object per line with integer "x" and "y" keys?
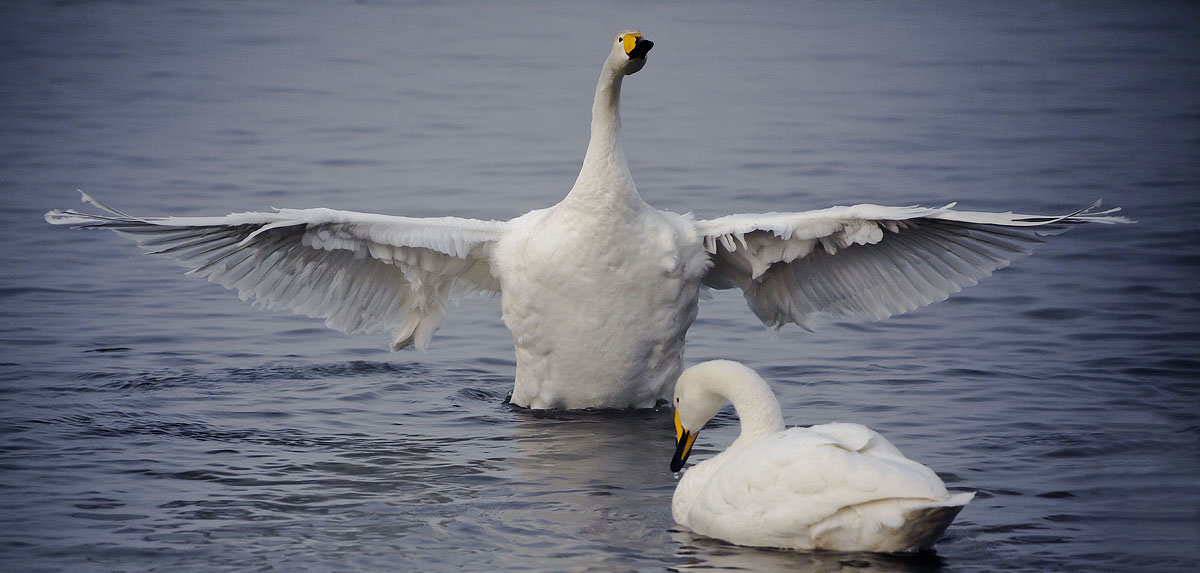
{"x": 835, "y": 486}
{"x": 599, "y": 289}
{"x": 620, "y": 308}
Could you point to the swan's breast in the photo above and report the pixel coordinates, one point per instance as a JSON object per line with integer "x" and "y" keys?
{"x": 598, "y": 304}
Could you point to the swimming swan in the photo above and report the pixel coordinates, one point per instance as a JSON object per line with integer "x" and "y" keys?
{"x": 598, "y": 290}
{"x": 835, "y": 486}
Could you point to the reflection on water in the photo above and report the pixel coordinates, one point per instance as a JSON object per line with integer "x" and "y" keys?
{"x": 149, "y": 420}
{"x": 701, "y": 553}
{"x": 595, "y": 479}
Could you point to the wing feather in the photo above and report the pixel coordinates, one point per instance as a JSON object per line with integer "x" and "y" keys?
{"x": 360, "y": 272}
{"x": 818, "y": 472}
{"x": 868, "y": 261}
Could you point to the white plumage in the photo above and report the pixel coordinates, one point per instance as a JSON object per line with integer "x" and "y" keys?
{"x": 599, "y": 289}
{"x": 834, "y": 486}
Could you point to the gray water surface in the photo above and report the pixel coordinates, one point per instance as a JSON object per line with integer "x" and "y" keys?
{"x": 149, "y": 420}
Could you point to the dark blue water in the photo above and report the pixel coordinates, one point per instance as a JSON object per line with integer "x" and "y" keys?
{"x": 149, "y": 420}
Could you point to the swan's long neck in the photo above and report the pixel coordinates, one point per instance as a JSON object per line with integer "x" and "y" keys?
{"x": 604, "y": 177}
{"x": 758, "y": 413}
{"x": 756, "y": 407}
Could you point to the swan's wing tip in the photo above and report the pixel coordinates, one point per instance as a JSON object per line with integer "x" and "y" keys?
{"x": 85, "y": 198}
{"x": 1106, "y": 215}
{"x": 70, "y": 217}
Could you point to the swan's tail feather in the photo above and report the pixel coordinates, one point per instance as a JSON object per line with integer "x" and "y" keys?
{"x": 894, "y": 525}
{"x": 925, "y": 525}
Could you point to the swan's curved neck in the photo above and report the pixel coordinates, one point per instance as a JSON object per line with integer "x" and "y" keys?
{"x": 757, "y": 409}
{"x": 605, "y": 175}
{"x": 758, "y": 414}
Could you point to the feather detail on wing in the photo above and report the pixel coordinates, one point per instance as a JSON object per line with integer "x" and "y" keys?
{"x": 819, "y": 471}
{"x": 867, "y": 261}
{"x": 360, "y": 272}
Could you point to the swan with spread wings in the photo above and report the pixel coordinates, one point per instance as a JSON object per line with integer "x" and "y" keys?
{"x": 599, "y": 289}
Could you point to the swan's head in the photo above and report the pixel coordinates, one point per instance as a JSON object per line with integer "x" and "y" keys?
{"x": 697, "y": 400}
{"x": 629, "y": 52}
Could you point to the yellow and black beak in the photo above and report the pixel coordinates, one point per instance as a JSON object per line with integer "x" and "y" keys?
{"x": 683, "y": 444}
{"x": 636, "y": 46}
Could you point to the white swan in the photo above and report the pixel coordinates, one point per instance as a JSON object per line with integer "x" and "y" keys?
{"x": 835, "y": 486}
{"x": 599, "y": 289}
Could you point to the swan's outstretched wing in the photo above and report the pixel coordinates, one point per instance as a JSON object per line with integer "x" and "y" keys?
{"x": 360, "y": 272}
{"x": 867, "y": 261}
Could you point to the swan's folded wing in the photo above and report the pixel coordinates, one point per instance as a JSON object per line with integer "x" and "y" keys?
{"x": 867, "y": 261}
{"x": 360, "y": 272}
{"x": 789, "y": 484}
